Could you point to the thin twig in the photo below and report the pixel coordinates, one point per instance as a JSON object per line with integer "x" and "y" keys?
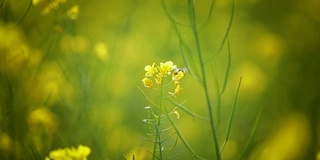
{"x": 193, "y": 24}
{"x": 231, "y": 116}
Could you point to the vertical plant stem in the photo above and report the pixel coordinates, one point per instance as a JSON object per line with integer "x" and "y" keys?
{"x": 155, "y": 147}
{"x": 193, "y": 24}
{"x": 158, "y": 129}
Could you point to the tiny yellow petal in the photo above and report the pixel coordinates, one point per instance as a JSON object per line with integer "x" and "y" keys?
{"x": 147, "y": 82}
{"x": 177, "y": 114}
{"x": 176, "y": 90}
{"x": 151, "y": 70}
{"x": 166, "y": 68}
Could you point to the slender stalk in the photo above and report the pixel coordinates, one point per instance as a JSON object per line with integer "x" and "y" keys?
{"x": 23, "y": 16}
{"x": 226, "y": 34}
{"x": 185, "y": 109}
{"x": 228, "y": 68}
{"x": 158, "y": 130}
{"x": 204, "y": 79}
{"x": 158, "y": 141}
{"x": 184, "y": 141}
{"x": 254, "y": 128}
{"x": 154, "y": 148}
{"x": 231, "y": 116}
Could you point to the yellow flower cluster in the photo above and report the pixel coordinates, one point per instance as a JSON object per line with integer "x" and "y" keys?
{"x": 49, "y": 5}
{"x": 160, "y": 72}
{"x": 81, "y": 153}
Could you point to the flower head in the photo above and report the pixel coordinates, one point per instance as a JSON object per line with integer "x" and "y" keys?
{"x": 159, "y": 73}
{"x": 166, "y": 68}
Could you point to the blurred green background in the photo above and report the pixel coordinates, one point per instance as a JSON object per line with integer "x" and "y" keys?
{"x": 69, "y": 71}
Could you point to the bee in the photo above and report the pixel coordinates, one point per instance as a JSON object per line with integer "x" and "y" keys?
{"x": 177, "y": 70}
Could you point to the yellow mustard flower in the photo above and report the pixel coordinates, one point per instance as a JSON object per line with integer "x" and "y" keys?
{"x": 151, "y": 70}
{"x": 177, "y": 75}
{"x": 166, "y": 68}
{"x": 80, "y": 153}
{"x": 162, "y": 71}
{"x": 147, "y": 82}
{"x": 84, "y": 150}
{"x": 58, "y": 154}
{"x": 176, "y": 90}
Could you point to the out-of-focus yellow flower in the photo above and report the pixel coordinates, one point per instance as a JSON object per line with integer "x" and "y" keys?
{"x": 58, "y": 154}
{"x": 80, "y": 153}
{"x": 42, "y": 118}
{"x": 49, "y": 6}
{"x": 318, "y": 156}
{"x": 84, "y": 150}
{"x": 166, "y": 68}
{"x": 73, "y": 12}
{"x": 151, "y": 70}
{"x": 6, "y": 142}
{"x": 101, "y": 50}
{"x": 147, "y": 82}
{"x": 36, "y": 2}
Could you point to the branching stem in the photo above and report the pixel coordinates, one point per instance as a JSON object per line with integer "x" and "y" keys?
{"x": 194, "y": 28}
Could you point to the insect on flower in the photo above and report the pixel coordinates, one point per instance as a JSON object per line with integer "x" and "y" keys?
{"x": 177, "y": 70}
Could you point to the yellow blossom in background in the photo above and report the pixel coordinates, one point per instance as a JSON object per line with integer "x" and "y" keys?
{"x": 49, "y": 6}
{"x": 58, "y": 154}
{"x": 36, "y": 2}
{"x": 101, "y": 50}
{"x": 73, "y": 12}
{"x": 80, "y": 153}
{"x": 6, "y": 142}
{"x": 42, "y": 119}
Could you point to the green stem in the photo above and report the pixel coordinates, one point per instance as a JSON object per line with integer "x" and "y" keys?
{"x": 204, "y": 80}
{"x": 255, "y": 126}
{"x": 231, "y": 116}
{"x": 158, "y": 130}
{"x": 184, "y": 141}
{"x": 154, "y": 147}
